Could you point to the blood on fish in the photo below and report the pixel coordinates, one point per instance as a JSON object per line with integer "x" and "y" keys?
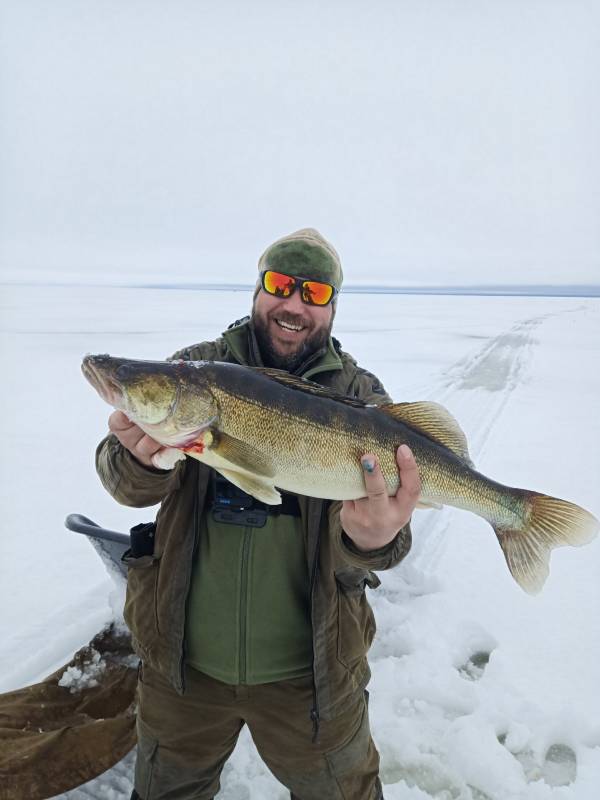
{"x": 195, "y": 447}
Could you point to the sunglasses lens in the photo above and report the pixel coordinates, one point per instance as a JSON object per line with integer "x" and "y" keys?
{"x": 277, "y": 284}
{"x": 315, "y": 293}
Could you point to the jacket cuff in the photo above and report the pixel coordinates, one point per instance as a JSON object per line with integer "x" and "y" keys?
{"x": 130, "y": 482}
{"x": 382, "y": 557}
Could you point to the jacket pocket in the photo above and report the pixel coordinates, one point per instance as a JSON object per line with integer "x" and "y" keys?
{"x": 141, "y": 601}
{"x": 356, "y": 622}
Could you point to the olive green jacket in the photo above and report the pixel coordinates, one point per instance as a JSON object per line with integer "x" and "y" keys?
{"x": 158, "y": 586}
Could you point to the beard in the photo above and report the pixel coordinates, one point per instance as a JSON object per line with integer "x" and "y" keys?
{"x": 291, "y": 361}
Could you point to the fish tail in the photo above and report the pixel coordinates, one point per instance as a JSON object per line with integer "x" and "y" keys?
{"x": 545, "y": 522}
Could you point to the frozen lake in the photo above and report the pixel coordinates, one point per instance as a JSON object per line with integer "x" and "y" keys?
{"x": 521, "y": 376}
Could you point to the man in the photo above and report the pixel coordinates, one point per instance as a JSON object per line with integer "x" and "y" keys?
{"x": 259, "y": 616}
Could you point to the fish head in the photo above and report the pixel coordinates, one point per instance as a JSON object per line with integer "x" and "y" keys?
{"x": 168, "y": 397}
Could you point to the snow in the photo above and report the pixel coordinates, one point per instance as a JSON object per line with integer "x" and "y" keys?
{"x": 76, "y": 679}
{"x": 479, "y": 690}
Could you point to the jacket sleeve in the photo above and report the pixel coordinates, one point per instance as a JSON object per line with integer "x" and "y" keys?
{"x": 367, "y": 387}
{"x": 128, "y": 481}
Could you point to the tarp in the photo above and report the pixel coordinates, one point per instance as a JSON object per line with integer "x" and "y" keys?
{"x": 74, "y": 725}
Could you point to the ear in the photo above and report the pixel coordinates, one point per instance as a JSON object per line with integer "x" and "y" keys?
{"x": 334, "y": 306}
{"x": 257, "y": 289}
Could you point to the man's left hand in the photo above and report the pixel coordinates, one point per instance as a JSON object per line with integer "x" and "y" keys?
{"x": 373, "y": 521}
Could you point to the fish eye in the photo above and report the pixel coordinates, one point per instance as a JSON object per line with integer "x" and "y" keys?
{"x": 123, "y": 372}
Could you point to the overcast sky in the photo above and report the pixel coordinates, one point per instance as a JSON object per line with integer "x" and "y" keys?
{"x": 433, "y": 141}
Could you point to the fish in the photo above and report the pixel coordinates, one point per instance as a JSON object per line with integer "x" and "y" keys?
{"x": 266, "y": 430}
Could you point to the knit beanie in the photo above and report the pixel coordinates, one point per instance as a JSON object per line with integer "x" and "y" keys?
{"x": 304, "y": 254}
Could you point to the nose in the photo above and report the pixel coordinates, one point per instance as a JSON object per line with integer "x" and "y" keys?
{"x": 294, "y": 303}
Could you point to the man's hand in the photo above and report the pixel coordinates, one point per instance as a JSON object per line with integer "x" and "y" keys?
{"x": 132, "y": 437}
{"x": 374, "y": 520}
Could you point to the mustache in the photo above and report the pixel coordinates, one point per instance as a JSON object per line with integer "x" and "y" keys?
{"x": 291, "y": 319}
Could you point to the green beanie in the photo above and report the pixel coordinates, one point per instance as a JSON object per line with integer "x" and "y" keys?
{"x": 304, "y": 254}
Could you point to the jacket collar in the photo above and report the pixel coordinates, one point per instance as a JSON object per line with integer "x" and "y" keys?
{"x": 241, "y": 341}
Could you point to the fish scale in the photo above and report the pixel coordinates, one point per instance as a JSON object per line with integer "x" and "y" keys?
{"x": 264, "y": 428}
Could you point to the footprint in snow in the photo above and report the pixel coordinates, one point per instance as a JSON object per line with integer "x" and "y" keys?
{"x": 474, "y": 668}
{"x": 560, "y": 765}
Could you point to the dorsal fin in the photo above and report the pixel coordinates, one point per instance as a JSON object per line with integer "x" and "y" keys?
{"x": 303, "y": 385}
{"x": 430, "y": 419}
{"x": 435, "y": 422}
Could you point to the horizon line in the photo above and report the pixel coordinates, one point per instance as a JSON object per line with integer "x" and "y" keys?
{"x": 491, "y": 289}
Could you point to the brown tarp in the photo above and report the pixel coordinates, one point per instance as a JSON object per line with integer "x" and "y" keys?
{"x": 54, "y": 738}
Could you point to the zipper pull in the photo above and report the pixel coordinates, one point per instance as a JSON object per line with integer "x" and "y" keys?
{"x": 314, "y": 715}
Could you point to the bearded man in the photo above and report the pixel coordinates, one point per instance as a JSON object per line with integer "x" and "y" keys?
{"x": 246, "y": 614}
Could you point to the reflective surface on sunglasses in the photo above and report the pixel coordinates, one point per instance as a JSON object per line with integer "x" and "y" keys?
{"x": 279, "y": 285}
{"x": 318, "y": 294}
{"x": 313, "y": 292}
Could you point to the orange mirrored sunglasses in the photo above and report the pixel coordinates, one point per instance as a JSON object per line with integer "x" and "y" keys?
{"x": 313, "y": 293}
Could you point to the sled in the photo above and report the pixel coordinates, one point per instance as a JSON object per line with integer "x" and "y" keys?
{"x": 80, "y": 721}
{"x": 111, "y": 546}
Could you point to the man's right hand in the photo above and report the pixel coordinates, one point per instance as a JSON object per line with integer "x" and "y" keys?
{"x": 132, "y": 437}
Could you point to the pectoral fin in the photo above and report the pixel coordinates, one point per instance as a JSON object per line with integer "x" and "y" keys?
{"x": 243, "y": 465}
{"x": 243, "y": 455}
{"x": 261, "y": 490}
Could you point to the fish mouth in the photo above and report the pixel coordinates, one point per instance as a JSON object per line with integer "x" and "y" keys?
{"x": 127, "y": 385}
{"x": 96, "y": 373}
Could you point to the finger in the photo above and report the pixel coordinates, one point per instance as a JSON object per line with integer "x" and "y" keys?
{"x": 118, "y": 421}
{"x": 129, "y": 437}
{"x": 147, "y": 446}
{"x": 374, "y": 481}
{"x": 348, "y": 507}
{"x": 409, "y": 490}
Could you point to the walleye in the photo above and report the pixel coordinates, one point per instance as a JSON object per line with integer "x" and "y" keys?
{"x": 264, "y": 428}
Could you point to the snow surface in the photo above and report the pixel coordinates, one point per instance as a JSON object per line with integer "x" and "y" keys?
{"x": 479, "y": 691}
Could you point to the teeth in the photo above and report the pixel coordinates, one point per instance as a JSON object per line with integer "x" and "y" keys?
{"x": 288, "y": 326}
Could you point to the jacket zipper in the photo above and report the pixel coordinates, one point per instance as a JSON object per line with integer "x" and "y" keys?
{"x": 314, "y": 712}
{"x": 244, "y": 603}
{"x": 196, "y": 518}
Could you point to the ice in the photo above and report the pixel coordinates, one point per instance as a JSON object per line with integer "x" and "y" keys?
{"x": 479, "y": 691}
{"x": 75, "y": 679}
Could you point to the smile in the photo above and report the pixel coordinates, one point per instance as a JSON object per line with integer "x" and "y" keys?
{"x": 287, "y": 326}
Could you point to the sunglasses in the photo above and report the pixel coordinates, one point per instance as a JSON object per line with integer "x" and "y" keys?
{"x": 313, "y": 293}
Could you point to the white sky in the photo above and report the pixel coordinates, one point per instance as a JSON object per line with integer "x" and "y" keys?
{"x": 433, "y": 141}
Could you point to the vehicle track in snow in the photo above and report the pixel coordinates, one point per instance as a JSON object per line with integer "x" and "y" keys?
{"x": 476, "y": 389}
{"x": 416, "y": 655}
